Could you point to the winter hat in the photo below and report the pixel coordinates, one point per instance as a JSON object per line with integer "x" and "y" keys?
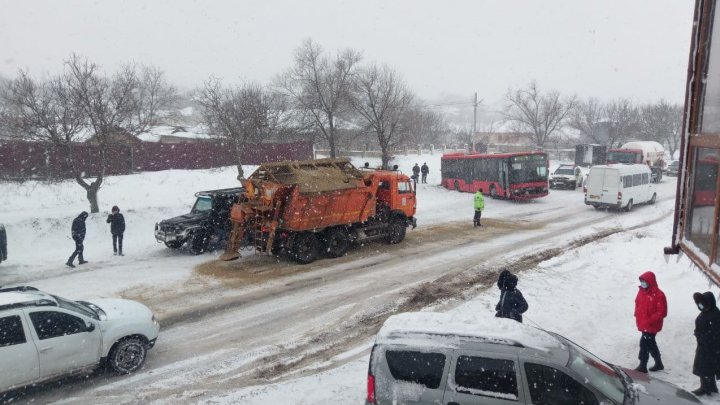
{"x": 84, "y": 214}
{"x": 115, "y": 208}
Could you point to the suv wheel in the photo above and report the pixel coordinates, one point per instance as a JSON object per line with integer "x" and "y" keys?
{"x": 198, "y": 243}
{"x": 127, "y": 355}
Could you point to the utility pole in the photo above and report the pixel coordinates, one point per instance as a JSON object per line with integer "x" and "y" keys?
{"x": 474, "y": 130}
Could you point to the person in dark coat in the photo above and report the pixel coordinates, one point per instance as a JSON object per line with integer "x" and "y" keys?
{"x": 707, "y": 333}
{"x": 650, "y": 310}
{"x": 78, "y": 234}
{"x": 416, "y": 171}
{"x": 424, "y": 170}
{"x": 3, "y": 243}
{"x": 117, "y": 229}
{"x": 512, "y": 304}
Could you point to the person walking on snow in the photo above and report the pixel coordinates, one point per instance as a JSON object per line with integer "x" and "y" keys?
{"x": 117, "y": 229}
{"x": 424, "y": 170}
{"x": 707, "y": 333}
{"x": 479, "y": 207}
{"x": 78, "y": 234}
{"x": 650, "y": 310}
{"x": 512, "y": 304}
{"x": 416, "y": 172}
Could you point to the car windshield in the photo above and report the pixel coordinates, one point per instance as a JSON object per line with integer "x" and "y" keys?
{"x": 76, "y": 307}
{"x": 564, "y": 171}
{"x": 202, "y": 204}
{"x": 596, "y": 372}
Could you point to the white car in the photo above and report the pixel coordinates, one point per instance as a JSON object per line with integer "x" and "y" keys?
{"x": 566, "y": 176}
{"x": 43, "y": 336}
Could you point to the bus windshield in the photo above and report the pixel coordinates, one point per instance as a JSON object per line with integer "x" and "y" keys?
{"x": 527, "y": 169}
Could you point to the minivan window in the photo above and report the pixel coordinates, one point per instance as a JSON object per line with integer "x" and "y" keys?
{"x": 486, "y": 377}
{"x": 627, "y": 181}
{"x": 11, "y": 331}
{"x": 550, "y": 386}
{"x": 637, "y": 179}
{"x": 416, "y": 367}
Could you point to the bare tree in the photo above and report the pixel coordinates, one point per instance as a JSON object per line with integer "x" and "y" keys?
{"x": 243, "y": 114}
{"x": 425, "y": 126}
{"x": 319, "y": 88}
{"x": 587, "y": 118}
{"x": 622, "y": 118}
{"x": 661, "y": 122}
{"x": 382, "y": 99}
{"x": 540, "y": 114}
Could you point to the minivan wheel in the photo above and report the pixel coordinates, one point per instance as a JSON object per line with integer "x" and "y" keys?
{"x": 629, "y": 206}
{"x": 654, "y": 197}
{"x": 127, "y": 355}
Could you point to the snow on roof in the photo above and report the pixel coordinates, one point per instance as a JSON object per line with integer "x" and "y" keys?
{"x": 483, "y": 327}
{"x": 14, "y": 297}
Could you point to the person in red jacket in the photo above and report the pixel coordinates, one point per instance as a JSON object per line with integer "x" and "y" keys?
{"x": 650, "y": 310}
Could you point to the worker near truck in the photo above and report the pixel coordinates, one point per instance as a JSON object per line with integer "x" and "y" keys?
{"x": 479, "y": 202}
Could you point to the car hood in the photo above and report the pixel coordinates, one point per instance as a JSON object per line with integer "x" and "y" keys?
{"x": 561, "y": 176}
{"x": 190, "y": 218}
{"x": 658, "y": 392}
{"x": 116, "y": 308}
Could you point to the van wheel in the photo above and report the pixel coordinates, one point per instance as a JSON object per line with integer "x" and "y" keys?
{"x": 493, "y": 192}
{"x": 629, "y": 206}
{"x": 653, "y": 199}
{"x": 127, "y": 355}
{"x": 305, "y": 248}
{"x": 337, "y": 243}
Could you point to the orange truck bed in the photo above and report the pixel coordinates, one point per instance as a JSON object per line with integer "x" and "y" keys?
{"x": 303, "y": 212}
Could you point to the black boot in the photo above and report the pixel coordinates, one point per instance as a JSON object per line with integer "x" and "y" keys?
{"x": 658, "y": 365}
{"x": 705, "y": 388}
{"x": 642, "y": 367}
{"x": 69, "y": 264}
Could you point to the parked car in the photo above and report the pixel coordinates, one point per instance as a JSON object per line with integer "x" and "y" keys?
{"x": 3, "y": 244}
{"x": 206, "y": 226}
{"x": 673, "y": 168}
{"x": 432, "y": 358}
{"x": 619, "y": 186}
{"x": 566, "y": 176}
{"x": 43, "y": 336}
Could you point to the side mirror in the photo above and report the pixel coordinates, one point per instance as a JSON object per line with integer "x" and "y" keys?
{"x": 89, "y": 327}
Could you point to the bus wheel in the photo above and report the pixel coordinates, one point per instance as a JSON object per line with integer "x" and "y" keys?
{"x": 493, "y": 192}
{"x": 457, "y": 186}
{"x": 629, "y": 206}
{"x": 652, "y": 200}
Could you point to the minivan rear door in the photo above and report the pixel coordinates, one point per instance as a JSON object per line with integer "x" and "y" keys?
{"x": 611, "y": 186}
{"x": 485, "y": 378}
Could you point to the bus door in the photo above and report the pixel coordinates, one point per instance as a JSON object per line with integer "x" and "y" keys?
{"x": 504, "y": 170}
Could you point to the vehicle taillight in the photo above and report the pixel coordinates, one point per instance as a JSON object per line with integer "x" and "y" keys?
{"x": 371, "y": 389}
{"x": 619, "y": 195}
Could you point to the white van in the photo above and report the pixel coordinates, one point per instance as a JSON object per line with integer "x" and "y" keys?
{"x": 619, "y": 186}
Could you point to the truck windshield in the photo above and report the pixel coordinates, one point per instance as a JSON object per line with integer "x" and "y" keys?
{"x": 202, "y": 204}
{"x": 526, "y": 169}
{"x": 621, "y": 157}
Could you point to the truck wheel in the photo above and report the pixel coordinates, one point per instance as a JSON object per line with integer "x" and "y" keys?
{"x": 198, "y": 243}
{"x": 306, "y": 248}
{"x": 652, "y": 200}
{"x": 396, "y": 231}
{"x": 175, "y": 244}
{"x": 629, "y": 206}
{"x": 127, "y": 355}
{"x": 337, "y": 242}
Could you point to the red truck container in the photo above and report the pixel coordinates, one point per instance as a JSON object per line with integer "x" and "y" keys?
{"x": 309, "y": 208}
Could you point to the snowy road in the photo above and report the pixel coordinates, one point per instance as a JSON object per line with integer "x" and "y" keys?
{"x": 245, "y": 322}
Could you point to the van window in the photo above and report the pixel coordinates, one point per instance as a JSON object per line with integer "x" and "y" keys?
{"x": 549, "y": 386}
{"x": 645, "y": 178}
{"x": 627, "y": 181}
{"x": 11, "y": 331}
{"x": 416, "y": 367}
{"x": 495, "y": 378}
{"x": 637, "y": 179}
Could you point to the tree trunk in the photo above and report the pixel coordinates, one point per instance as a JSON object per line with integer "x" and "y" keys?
{"x": 238, "y": 156}
{"x": 385, "y": 158}
{"x": 331, "y": 140}
{"x": 91, "y": 191}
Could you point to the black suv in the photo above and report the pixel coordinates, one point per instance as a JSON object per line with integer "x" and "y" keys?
{"x": 3, "y": 244}
{"x": 206, "y": 227}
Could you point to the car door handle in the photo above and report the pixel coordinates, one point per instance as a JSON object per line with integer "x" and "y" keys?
{"x": 45, "y": 349}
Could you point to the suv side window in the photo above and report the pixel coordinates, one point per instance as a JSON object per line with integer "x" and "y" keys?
{"x": 495, "y": 378}
{"x": 11, "y": 331}
{"x": 416, "y": 367}
{"x": 549, "y": 386}
{"x": 51, "y": 324}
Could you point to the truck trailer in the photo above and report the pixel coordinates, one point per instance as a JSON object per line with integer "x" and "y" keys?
{"x": 307, "y": 209}
{"x": 640, "y": 152}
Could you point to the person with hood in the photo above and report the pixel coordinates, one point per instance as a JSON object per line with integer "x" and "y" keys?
{"x": 424, "y": 170}
{"x": 650, "y": 310}
{"x": 479, "y": 202}
{"x": 117, "y": 229}
{"x": 512, "y": 304}
{"x": 416, "y": 172}
{"x": 707, "y": 333}
{"x": 78, "y": 234}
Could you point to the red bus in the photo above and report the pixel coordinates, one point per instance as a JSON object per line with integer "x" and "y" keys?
{"x": 517, "y": 176}
{"x": 705, "y": 182}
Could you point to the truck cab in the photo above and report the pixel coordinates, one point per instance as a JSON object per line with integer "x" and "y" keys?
{"x": 394, "y": 190}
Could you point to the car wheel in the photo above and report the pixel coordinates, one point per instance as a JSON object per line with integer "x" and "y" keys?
{"x": 174, "y": 244}
{"x": 337, "y": 242}
{"x": 396, "y": 231}
{"x": 629, "y": 206}
{"x": 127, "y": 355}
{"x": 653, "y": 199}
{"x": 306, "y": 248}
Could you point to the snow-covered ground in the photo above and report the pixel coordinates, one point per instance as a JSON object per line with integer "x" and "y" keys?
{"x": 585, "y": 293}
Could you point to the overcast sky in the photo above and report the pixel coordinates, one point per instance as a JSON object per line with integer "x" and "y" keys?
{"x": 620, "y": 48}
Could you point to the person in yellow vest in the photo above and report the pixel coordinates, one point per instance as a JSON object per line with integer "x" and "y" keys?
{"x": 479, "y": 207}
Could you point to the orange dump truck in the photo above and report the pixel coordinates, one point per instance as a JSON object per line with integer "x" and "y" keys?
{"x": 312, "y": 208}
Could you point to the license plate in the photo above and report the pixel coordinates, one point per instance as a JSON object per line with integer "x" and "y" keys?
{"x": 593, "y": 196}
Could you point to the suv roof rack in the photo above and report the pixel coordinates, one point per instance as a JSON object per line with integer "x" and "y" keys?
{"x": 18, "y": 288}
{"x": 37, "y": 303}
{"x": 233, "y": 190}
